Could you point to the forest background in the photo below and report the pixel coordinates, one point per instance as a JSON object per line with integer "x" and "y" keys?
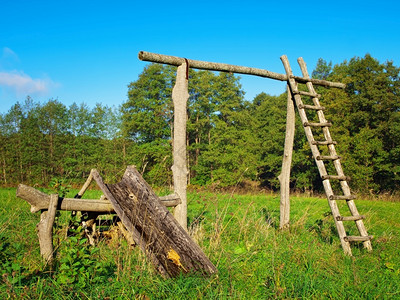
{"x": 231, "y": 142}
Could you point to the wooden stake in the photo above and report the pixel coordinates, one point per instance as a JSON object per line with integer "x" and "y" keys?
{"x": 45, "y": 229}
{"x": 284, "y": 177}
{"x": 180, "y": 95}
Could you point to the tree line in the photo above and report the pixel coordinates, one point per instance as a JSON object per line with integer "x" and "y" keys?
{"x": 231, "y": 141}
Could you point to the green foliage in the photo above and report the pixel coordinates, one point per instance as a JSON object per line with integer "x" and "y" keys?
{"x": 255, "y": 259}
{"x": 79, "y": 263}
{"x": 59, "y": 186}
{"x": 366, "y": 120}
{"x": 12, "y": 270}
{"x": 230, "y": 140}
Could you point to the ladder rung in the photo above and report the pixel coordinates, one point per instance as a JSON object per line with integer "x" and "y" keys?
{"x": 309, "y": 94}
{"x": 350, "y": 218}
{"x": 324, "y": 142}
{"x": 342, "y": 197}
{"x": 327, "y": 157}
{"x": 358, "y": 238}
{"x": 313, "y": 107}
{"x": 326, "y": 124}
{"x": 335, "y": 177}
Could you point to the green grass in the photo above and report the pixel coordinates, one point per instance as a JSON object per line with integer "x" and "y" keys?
{"x": 240, "y": 235}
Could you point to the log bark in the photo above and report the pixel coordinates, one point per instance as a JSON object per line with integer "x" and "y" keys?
{"x": 180, "y": 95}
{"x": 204, "y": 65}
{"x": 153, "y": 228}
{"x": 39, "y": 201}
{"x": 45, "y": 229}
{"x": 284, "y": 177}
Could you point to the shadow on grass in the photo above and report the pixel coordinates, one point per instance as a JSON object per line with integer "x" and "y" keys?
{"x": 324, "y": 228}
{"x": 271, "y": 217}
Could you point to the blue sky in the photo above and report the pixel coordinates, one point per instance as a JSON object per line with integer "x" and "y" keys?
{"x": 86, "y": 51}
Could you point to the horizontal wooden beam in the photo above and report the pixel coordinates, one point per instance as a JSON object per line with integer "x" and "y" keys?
{"x": 212, "y": 66}
{"x": 40, "y": 201}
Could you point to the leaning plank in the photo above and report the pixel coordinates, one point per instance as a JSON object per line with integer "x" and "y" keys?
{"x": 39, "y": 200}
{"x": 153, "y": 227}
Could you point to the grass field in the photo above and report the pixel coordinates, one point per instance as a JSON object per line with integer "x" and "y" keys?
{"x": 239, "y": 233}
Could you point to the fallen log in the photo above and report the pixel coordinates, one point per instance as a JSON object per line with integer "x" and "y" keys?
{"x": 153, "y": 227}
{"x": 40, "y": 201}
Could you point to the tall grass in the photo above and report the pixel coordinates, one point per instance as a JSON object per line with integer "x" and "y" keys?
{"x": 239, "y": 233}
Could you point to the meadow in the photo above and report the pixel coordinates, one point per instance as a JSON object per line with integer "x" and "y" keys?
{"x": 239, "y": 233}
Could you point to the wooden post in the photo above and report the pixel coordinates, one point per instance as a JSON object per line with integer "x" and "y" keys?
{"x": 180, "y": 96}
{"x": 284, "y": 177}
{"x": 45, "y": 229}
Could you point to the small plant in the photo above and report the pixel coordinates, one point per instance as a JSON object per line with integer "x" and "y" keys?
{"x": 60, "y": 186}
{"x": 79, "y": 262}
{"x": 11, "y": 270}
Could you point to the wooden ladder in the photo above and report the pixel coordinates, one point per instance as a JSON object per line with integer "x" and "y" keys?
{"x": 332, "y": 157}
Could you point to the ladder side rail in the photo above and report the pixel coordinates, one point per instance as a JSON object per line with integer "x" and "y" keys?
{"x": 338, "y": 166}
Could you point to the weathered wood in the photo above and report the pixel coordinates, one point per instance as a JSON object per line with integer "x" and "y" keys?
{"x": 153, "y": 227}
{"x": 180, "y": 95}
{"x": 177, "y": 61}
{"x": 358, "y": 238}
{"x": 311, "y": 124}
{"x": 350, "y": 218}
{"x": 85, "y": 186}
{"x": 45, "y": 229}
{"x": 284, "y": 177}
{"x": 315, "y": 151}
{"x": 39, "y": 201}
{"x": 170, "y": 200}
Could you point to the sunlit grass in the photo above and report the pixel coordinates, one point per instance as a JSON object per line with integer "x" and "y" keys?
{"x": 240, "y": 235}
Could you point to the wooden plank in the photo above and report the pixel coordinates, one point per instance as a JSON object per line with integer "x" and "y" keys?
{"x": 358, "y": 238}
{"x": 212, "y": 66}
{"x": 327, "y": 157}
{"x": 311, "y": 124}
{"x": 350, "y": 218}
{"x": 312, "y": 107}
{"x": 153, "y": 227}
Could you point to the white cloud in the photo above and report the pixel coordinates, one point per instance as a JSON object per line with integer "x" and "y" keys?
{"x": 13, "y": 81}
{"x": 22, "y": 84}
